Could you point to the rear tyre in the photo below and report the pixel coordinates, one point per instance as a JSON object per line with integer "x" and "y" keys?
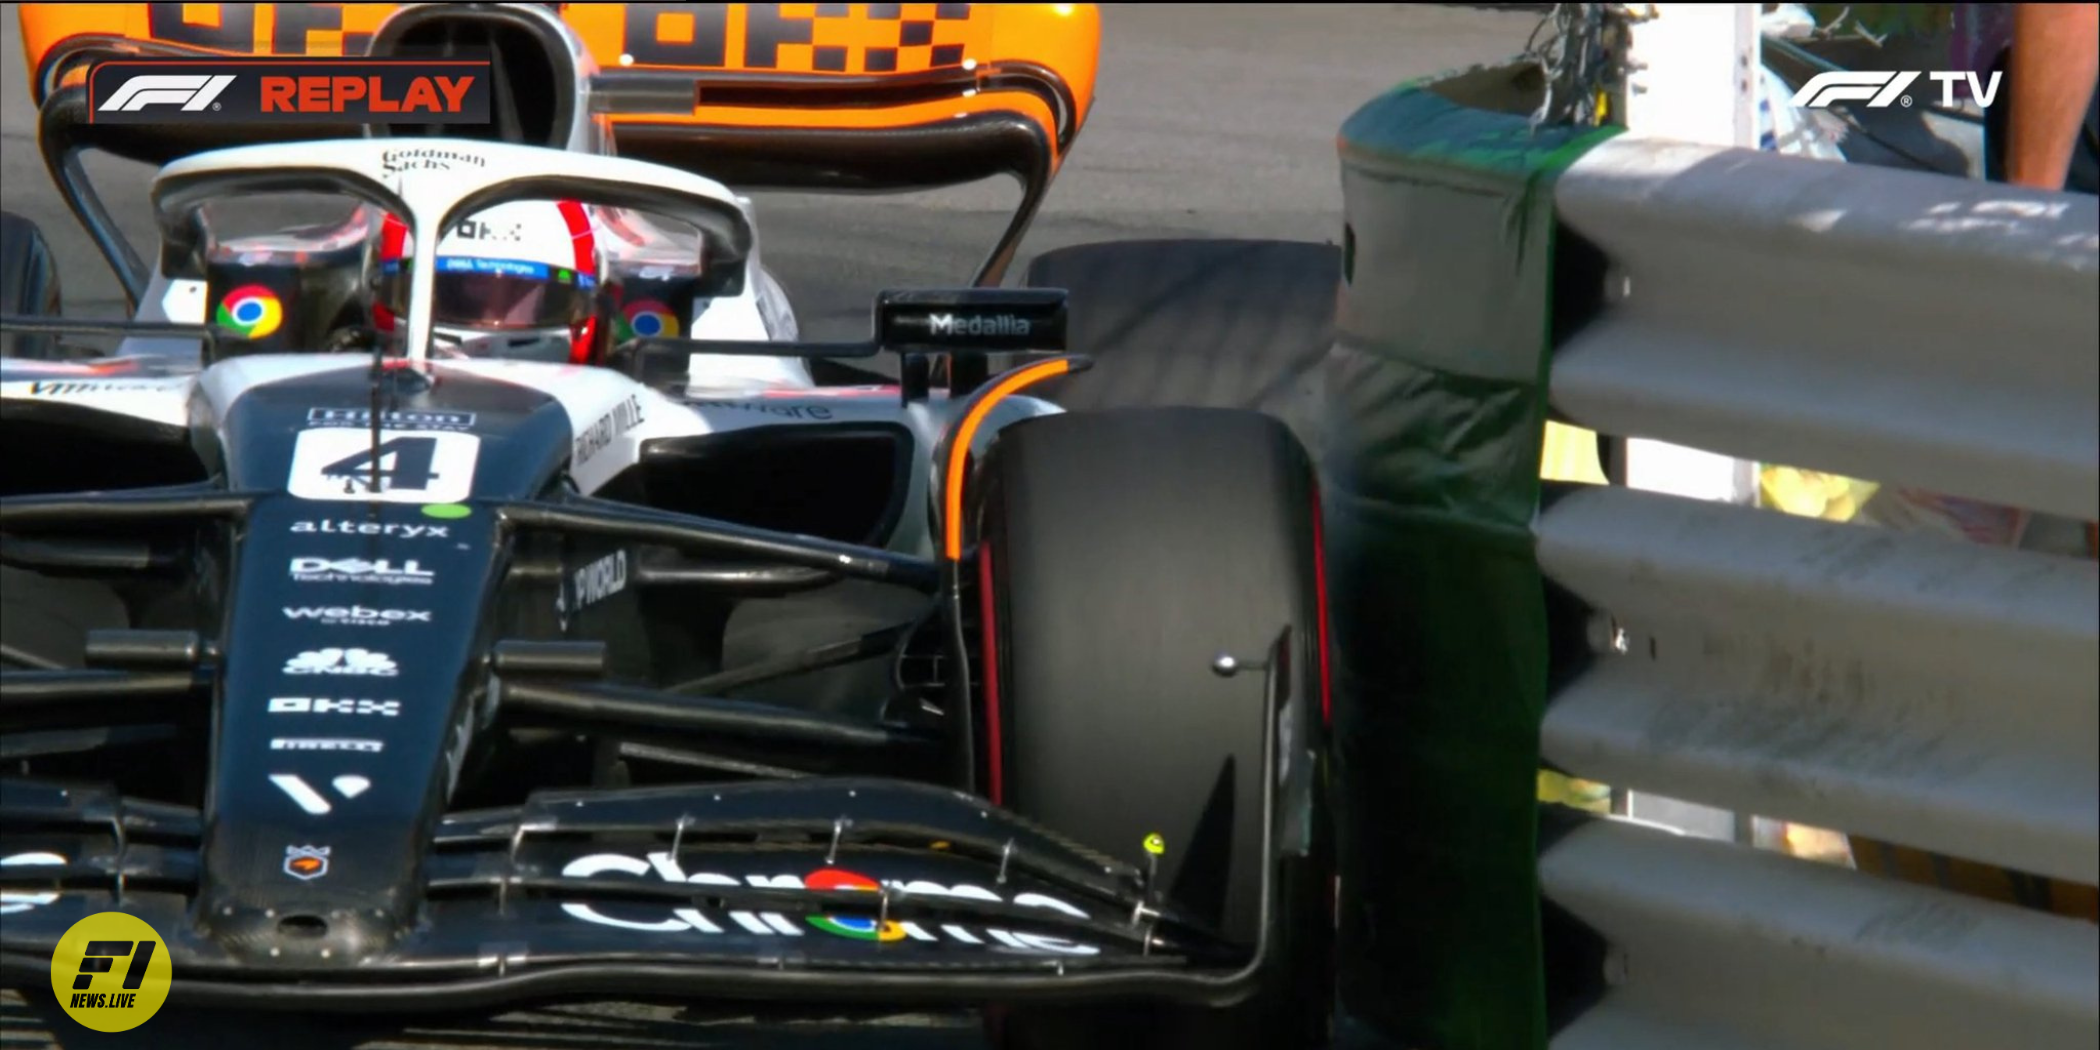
{"x": 1205, "y": 323}
{"x": 28, "y": 285}
{"x": 45, "y": 620}
{"x": 1120, "y": 554}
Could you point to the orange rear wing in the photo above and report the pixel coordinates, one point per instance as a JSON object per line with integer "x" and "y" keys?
{"x": 853, "y": 97}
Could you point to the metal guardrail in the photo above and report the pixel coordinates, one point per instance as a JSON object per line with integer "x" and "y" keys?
{"x": 1719, "y": 947}
{"x": 1918, "y": 330}
{"x": 1910, "y": 328}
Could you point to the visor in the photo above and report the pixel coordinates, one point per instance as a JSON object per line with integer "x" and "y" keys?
{"x": 495, "y": 293}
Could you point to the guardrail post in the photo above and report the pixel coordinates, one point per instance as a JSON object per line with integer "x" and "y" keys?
{"x": 1437, "y": 409}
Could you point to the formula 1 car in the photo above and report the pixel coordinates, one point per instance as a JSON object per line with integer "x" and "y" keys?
{"x": 380, "y": 671}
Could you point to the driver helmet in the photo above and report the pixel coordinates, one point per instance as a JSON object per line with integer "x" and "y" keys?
{"x": 517, "y": 280}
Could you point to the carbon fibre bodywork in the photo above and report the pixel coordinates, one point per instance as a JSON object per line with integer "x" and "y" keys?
{"x": 357, "y": 662}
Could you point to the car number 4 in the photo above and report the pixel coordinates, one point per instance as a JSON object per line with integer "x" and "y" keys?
{"x": 402, "y": 466}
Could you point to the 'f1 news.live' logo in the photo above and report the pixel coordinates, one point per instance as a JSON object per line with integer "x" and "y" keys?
{"x": 101, "y": 955}
{"x": 309, "y": 91}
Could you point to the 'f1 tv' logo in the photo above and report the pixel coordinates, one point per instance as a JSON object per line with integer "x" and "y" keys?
{"x": 1880, "y": 90}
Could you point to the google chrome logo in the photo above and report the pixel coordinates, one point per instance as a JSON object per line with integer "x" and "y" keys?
{"x": 251, "y": 311}
{"x": 650, "y": 319}
{"x": 858, "y": 929}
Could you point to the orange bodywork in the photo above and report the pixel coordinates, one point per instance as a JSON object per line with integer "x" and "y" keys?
{"x": 866, "y": 40}
{"x": 966, "y": 434}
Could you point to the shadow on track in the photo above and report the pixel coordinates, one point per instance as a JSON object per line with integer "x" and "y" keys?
{"x": 38, "y": 1024}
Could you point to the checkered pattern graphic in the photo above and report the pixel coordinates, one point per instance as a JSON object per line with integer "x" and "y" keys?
{"x": 899, "y": 38}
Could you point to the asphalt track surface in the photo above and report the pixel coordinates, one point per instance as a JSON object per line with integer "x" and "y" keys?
{"x": 1210, "y": 121}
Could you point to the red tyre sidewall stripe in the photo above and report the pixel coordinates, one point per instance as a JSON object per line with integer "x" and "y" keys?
{"x": 1320, "y": 595}
{"x": 995, "y": 741}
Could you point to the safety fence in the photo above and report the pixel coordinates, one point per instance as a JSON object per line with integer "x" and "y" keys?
{"x": 1915, "y": 691}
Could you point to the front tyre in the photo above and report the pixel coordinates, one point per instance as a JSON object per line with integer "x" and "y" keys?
{"x": 1120, "y": 553}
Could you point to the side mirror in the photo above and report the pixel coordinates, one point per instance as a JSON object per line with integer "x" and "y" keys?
{"x": 971, "y": 320}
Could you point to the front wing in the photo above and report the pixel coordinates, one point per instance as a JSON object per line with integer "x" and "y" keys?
{"x": 824, "y": 889}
